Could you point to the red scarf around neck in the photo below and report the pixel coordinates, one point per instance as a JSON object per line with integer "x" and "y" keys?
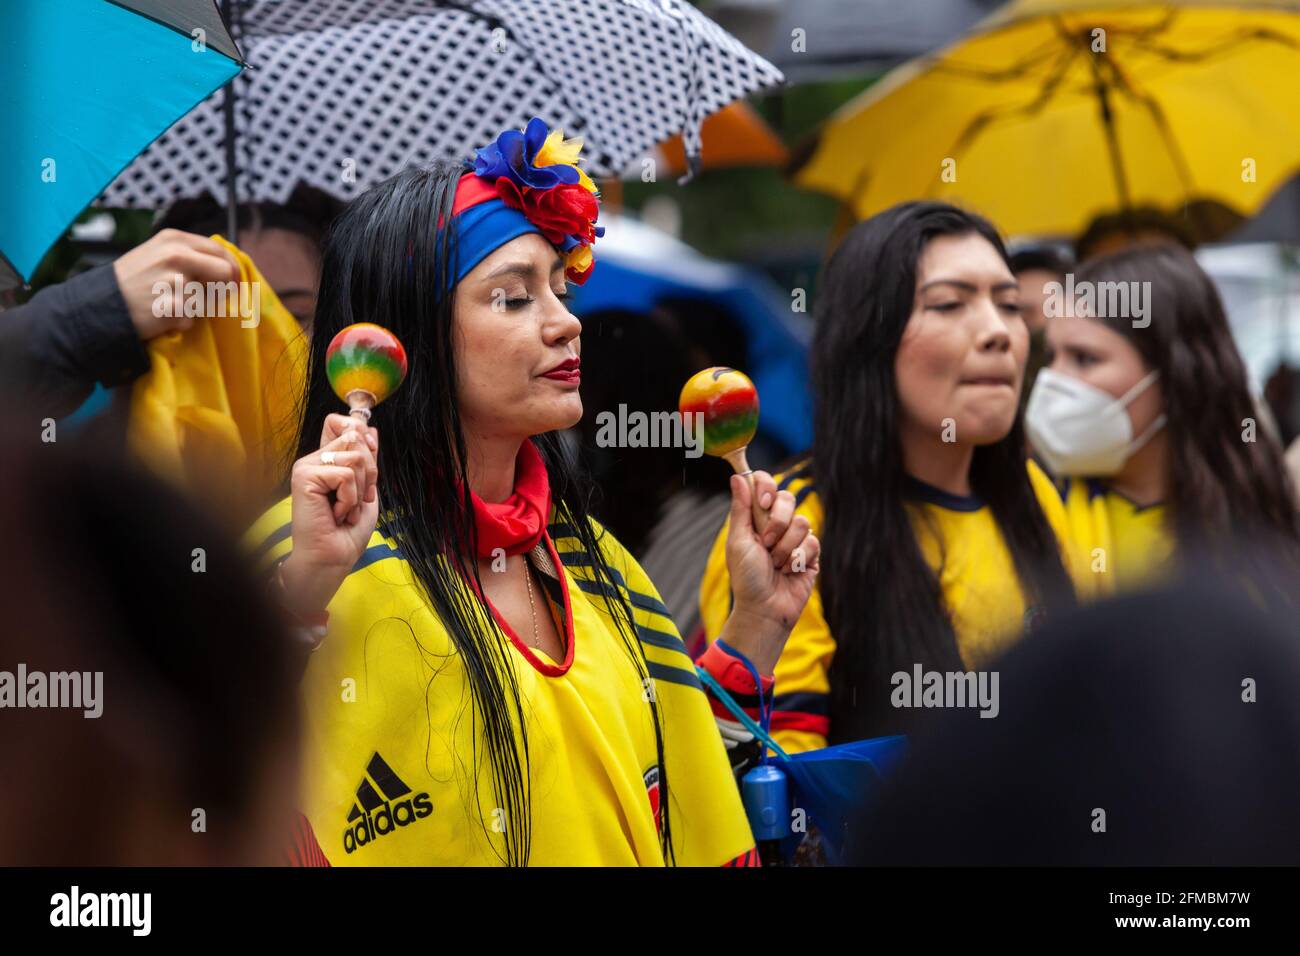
{"x": 516, "y": 524}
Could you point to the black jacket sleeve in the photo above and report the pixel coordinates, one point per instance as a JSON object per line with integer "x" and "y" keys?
{"x": 67, "y": 338}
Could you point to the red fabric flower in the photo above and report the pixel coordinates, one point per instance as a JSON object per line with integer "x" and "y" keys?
{"x": 564, "y": 210}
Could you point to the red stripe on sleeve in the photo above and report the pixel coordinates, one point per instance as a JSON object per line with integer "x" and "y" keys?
{"x": 747, "y": 859}
{"x": 797, "y": 720}
{"x": 304, "y": 849}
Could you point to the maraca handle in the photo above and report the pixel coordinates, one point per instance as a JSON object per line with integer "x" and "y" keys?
{"x": 360, "y": 402}
{"x": 740, "y": 465}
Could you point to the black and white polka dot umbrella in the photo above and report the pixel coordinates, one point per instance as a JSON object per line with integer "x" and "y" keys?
{"x": 344, "y": 93}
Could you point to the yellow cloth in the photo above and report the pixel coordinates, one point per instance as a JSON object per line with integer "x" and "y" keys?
{"x": 1123, "y": 546}
{"x": 1006, "y": 121}
{"x": 962, "y": 544}
{"x": 593, "y": 759}
{"x": 215, "y": 412}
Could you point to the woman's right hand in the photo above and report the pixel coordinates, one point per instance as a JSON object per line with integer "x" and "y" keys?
{"x": 335, "y": 510}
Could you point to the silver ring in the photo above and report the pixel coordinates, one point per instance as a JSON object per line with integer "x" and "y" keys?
{"x": 327, "y": 457}
{"x": 746, "y": 473}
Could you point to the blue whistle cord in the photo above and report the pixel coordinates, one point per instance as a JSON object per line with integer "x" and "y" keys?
{"x": 760, "y": 732}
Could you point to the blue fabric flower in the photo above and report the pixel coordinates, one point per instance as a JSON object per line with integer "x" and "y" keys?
{"x": 512, "y": 156}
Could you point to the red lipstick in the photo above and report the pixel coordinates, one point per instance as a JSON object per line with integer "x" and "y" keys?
{"x": 566, "y": 371}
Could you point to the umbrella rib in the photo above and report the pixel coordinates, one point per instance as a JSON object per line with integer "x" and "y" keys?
{"x": 1242, "y": 36}
{"x": 1049, "y": 88}
{"x": 1027, "y": 65}
{"x": 1166, "y": 133}
{"x": 1122, "y": 83}
{"x": 1112, "y": 135}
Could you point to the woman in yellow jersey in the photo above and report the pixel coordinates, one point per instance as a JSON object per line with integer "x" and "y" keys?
{"x": 498, "y": 681}
{"x": 939, "y": 547}
{"x": 1144, "y": 415}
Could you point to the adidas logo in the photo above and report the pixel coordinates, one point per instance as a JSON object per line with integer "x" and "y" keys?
{"x": 374, "y": 816}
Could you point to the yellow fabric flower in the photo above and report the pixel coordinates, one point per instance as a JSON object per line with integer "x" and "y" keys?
{"x": 558, "y": 151}
{"x": 578, "y": 259}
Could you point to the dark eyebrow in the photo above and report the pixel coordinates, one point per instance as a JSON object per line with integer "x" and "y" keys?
{"x": 971, "y": 287}
{"x": 524, "y": 269}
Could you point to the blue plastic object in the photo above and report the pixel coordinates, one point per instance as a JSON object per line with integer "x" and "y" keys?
{"x": 838, "y": 787}
{"x": 834, "y": 788}
{"x": 766, "y": 795}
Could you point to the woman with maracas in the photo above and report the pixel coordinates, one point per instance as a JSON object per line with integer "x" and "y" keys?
{"x": 499, "y": 681}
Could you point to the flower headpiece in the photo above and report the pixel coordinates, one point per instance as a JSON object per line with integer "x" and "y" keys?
{"x": 535, "y": 175}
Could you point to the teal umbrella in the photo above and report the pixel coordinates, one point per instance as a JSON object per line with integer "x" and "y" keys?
{"x": 85, "y": 85}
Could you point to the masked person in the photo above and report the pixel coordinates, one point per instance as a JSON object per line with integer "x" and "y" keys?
{"x": 499, "y": 681}
{"x": 1144, "y": 412}
{"x": 940, "y": 547}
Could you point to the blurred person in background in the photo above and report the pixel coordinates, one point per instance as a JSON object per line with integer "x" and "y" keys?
{"x": 79, "y": 341}
{"x": 284, "y": 240}
{"x": 91, "y": 329}
{"x": 940, "y": 541}
{"x": 1282, "y": 392}
{"x": 637, "y": 359}
{"x": 1151, "y": 424}
{"x": 192, "y": 757}
{"x": 664, "y": 507}
{"x": 1155, "y": 729}
{"x": 1111, "y": 232}
{"x": 1035, "y": 267}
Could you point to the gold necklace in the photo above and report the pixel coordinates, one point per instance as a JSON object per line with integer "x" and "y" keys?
{"x": 532, "y": 608}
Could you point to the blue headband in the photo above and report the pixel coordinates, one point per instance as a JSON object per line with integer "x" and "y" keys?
{"x": 484, "y": 228}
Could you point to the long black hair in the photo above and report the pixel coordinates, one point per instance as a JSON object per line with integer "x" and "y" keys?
{"x": 1227, "y": 486}
{"x": 386, "y": 261}
{"x": 882, "y": 600}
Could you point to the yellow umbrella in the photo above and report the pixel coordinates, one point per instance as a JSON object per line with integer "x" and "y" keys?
{"x": 1053, "y": 111}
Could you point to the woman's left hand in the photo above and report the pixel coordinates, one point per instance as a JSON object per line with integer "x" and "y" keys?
{"x": 772, "y": 574}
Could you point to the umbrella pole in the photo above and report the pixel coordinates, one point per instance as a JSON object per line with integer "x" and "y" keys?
{"x": 228, "y": 117}
{"x": 1112, "y": 137}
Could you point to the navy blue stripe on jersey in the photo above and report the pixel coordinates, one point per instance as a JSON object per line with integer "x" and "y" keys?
{"x": 645, "y": 634}
{"x": 806, "y": 702}
{"x": 802, "y": 493}
{"x": 274, "y": 538}
{"x": 661, "y": 639}
{"x": 376, "y": 552}
{"x": 561, "y": 530}
{"x": 674, "y": 675}
{"x": 635, "y": 597}
{"x": 794, "y": 474}
{"x": 918, "y": 490}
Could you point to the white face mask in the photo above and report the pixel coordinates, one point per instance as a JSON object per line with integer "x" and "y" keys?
{"x": 1080, "y": 430}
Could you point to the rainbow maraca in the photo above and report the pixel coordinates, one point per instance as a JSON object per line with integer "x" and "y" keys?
{"x": 365, "y": 363}
{"x": 729, "y": 403}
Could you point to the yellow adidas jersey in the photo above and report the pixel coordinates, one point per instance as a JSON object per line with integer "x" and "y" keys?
{"x": 963, "y": 545}
{"x": 389, "y": 750}
{"x": 1122, "y": 545}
